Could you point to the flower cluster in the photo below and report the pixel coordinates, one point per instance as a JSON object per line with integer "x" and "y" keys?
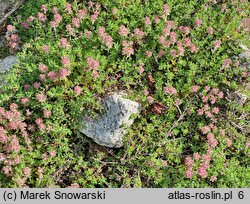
{"x": 13, "y": 39}
{"x": 105, "y": 38}
{"x": 127, "y": 48}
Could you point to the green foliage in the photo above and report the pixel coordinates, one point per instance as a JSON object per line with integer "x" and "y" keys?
{"x": 168, "y": 130}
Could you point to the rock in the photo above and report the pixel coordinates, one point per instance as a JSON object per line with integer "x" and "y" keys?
{"x": 4, "y": 6}
{"x": 7, "y": 63}
{"x": 7, "y": 7}
{"x": 109, "y": 129}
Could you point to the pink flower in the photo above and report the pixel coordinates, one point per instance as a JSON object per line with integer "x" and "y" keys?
{"x": 189, "y": 161}
{"x": 11, "y": 28}
{"x": 52, "y": 153}
{"x": 173, "y": 53}
{"x": 208, "y": 114}
{"x": 141, "y": 69}
{"x": 94, "y": 16}
{"x": 95, "y": 74}
{"x": 200, "y": 112}
{"x": 13, "y": 145}
{"x": 46, "y": 113}
{"x": 216, "y": 110}
{"x": 69, "y": 8}
{"x": 24, "y": 101}
{"x": 64, "y": 43}
{"x": 52, "y": 76}
{"x": 26, "y": 171}
{"x": 213, "y": 179}
{"x": 87, "y": 34}
{"x": 185, "y": 29}
{"x": 210, "y": 136}
{"x": 76, "y": 22}
{"x": 156, "y": 19}
{"x": 196, "y": 156}
{"x": 30, "y": 19}
{"x": 205, "y": 129}
{"x": 161, "y": 40}
{"x": 181, "y": 51}
{"x": 43, "y": 68}
{"x": 45, "y": 49}
{"x": 207, "y": 88}
{"x": 26, "y": 87}
{"x": 213, "y": 143}
{"x": 127, "y": 48}
{"x": 39, "y": 121}
{"x": 37, "y": 85}
{"x": 78, "y": 90}
{"x": 170, "y": 90}
{"x": 13, "y": 106}
{"x": 55, "y": 10}
{"x": 69, "y": 29}
{"x": 145, "y": 92}
{"x": 150, "y": 99}
{"x": 7, "y": 170}
{"x": 204, "y": 99}
{"x": 81, "y": 14}
{"x": 25, "y": 24}
{"x": 44, "y": 8}
{"x": 41, "y": 17}
{"x": 65, "y": 61}
{"x": 138, "y": 33}
{"x": 108, "y": 41}
{"x": 189, "y": 173}
{"x": 178, "y": 102}
{"x": 53, "y": 24}
{"x": 41, "y": 97}
{"x": 41, "y": 126}
{"x": 215, "y": 91}
{"x": 198, "y": 22}
{"x": 161, "y": 53}
{"x": 63, "y": 73}
{"x": 229, "y": 142}
{"x": 42, "y": 77}
{"x": 123, "y": 31}
{"x": 187, "y": 42}
{"x": 165, "y": 33}
{"x": 210, "y": 30}
{"x": 94, "y": 64}
{"x": 217, "y": 44}
{"x": 195, "y": 88}
{"x": 3, "y": 136}
{"x": 202, "y": 172}
{"x": 58, "y": 18}
{"x": 220, "y": 95}
{"x": 166, "y": 9}
{"x": 193, "y": 48}
{"x": 148, "y": 53}
{"x": 226, "y": 62}
{"x": 147, "y": 21}
{"x": 173, "y": 37}
{"x": 206, "y": 107}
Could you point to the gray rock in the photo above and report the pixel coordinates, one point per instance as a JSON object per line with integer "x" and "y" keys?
{"x": 4, "y": 5}
{"x": 110, "y": 128}
{"x": 7, "y": 63}
{"x": 7, "y": 7}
